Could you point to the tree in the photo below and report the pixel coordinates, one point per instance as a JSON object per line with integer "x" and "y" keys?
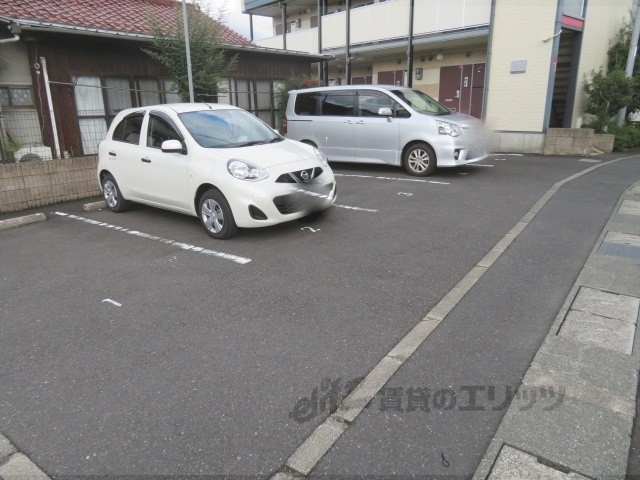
{"x": 611, "y": 90}
{"x": 209, "y": 62}
{"x": 608, "y": 93}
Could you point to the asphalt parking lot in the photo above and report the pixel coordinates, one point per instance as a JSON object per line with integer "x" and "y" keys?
{"x": 134, "y": 344}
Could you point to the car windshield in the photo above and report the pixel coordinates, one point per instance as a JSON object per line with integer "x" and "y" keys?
{"x": 421, "y": 102}
{"x": 227, "y": 129}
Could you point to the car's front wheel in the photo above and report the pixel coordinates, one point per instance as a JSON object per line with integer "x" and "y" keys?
{"x": 216, "y": 216}
{"x": 112, "y": 195}
{"x": 420, "y": 160}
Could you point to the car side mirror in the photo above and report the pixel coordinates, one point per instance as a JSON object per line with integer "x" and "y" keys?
{"x": 385, "y": 112}
{"x": 172, "y": 146}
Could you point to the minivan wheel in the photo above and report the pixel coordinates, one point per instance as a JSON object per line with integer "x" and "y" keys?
{"x": 420, "y": 160}
{"x": 216, "y": 216}
{"x": 112, "y": 195}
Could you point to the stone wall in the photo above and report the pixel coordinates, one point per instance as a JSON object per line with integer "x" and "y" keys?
{"x": 604, "y": 142}
{"x": 568, "y": 141}
{"x": 29, "y": 185}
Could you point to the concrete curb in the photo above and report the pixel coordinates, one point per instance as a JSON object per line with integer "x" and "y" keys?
{"x": 587, "y": 366}
{"x": 24, "y": 220}
{"x": 15, "y": 465}
{"x": 91, "y": 207}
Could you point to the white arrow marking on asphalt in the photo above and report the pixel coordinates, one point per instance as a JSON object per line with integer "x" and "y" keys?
{"x": 112, "y": 301}
{"x": 312, "y": 230}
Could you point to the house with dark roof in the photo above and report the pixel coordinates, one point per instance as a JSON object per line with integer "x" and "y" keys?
{"x": 68, "y": 66}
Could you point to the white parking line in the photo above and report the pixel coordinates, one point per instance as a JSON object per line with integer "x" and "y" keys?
{"x": 356, "y": 208}
{"x": 183, "y": 246}
{"x": 476, "y": 165}
{"x": 390, "y": 178}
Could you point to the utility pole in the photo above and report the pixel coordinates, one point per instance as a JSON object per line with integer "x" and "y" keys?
{"x": 188, "y": 46}
{"x": 631, "y": 58}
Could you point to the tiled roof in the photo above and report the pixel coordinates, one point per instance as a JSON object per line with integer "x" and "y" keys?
{"x": 122, "y": 16}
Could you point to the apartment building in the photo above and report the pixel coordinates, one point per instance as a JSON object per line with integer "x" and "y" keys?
{"x": 517, "y": 64}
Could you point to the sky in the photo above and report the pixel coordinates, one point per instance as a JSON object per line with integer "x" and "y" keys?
{"x": 234, "y": 19}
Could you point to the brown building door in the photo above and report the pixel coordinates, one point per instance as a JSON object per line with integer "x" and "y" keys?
{"x": 462, "y": 88}
{"x": 391, "y": 77}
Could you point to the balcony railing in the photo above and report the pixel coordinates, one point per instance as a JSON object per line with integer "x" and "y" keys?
{"x": 385, "y": 21}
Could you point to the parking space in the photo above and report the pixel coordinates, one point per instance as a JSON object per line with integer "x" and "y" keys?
{"x": 135, "y": 336}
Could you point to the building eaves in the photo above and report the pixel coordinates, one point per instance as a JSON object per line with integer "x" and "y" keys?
{"x": 33, "y": 25}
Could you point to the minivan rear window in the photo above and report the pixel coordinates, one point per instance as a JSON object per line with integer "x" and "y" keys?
{"x": 305, "y": 103}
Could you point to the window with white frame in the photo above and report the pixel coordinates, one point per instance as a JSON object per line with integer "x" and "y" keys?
{"x": 99, "y": 99}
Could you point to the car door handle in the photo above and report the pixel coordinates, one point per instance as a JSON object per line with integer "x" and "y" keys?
{"x": 145, "y": 160}
{"x": 113, "y": 154}
{"x": 360, "y": 122}
{"x": 348, "y": 122}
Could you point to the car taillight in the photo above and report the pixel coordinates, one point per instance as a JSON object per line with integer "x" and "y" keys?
{"x": 284, "y": 126}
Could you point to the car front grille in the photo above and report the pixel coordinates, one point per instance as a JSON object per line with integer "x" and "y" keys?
{"x": 301, "y": 200}
{"x": 301, "y": 176}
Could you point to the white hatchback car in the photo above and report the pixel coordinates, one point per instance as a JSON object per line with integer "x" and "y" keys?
{"x": 217, "y": 162}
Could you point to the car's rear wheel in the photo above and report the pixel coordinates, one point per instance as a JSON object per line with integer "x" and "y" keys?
{"x": 112, "y": 195}
{"x": 420, "y": 160}
{"x": 216, "y": 216}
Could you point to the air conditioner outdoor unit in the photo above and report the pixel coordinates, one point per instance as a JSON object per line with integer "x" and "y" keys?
{"x": 33, "y": 153}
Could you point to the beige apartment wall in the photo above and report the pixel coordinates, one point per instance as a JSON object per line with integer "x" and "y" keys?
{"x": 516, "y": 102}
{"x": 602, "y": 23}
{"x": 430, "y": 83}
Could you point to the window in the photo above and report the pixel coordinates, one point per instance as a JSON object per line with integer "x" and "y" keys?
{"x": 253, "y": 95}
{"x": 160, "y": 130}
{"x": 370, "y": 103}
{"x": 16, "y": 97}
{"x": 169, "y": 92}
{"x": 129, "y": 129}
{"x": 306, "y": 104}
{"x": 118, "y": 92}
{"x": 99, "y": 99}
{"x": 338, "y": 103}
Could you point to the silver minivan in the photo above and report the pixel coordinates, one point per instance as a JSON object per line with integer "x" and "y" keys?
{"x": 384, "y": 124}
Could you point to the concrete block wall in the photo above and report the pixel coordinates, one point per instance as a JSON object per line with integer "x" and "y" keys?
{"x": 568, "y": 141}
{"x": 29, "y": 185}
{"x": 604, "y": 142}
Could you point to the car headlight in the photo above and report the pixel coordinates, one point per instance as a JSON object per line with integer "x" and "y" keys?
{"x": 446, "y": 128}
{"x": 322, "y": 157}
{"x": 246, "y": 170}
